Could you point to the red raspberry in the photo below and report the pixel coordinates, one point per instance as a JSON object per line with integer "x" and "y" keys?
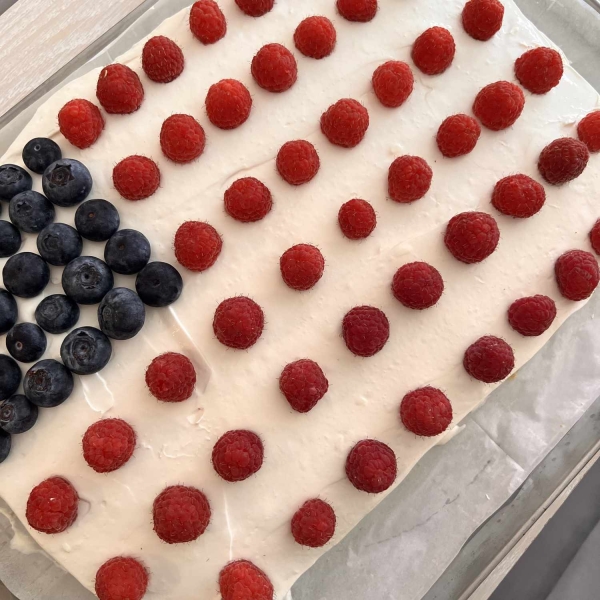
{"x": 162, "y": 59}
{"x": 393, "y": 83}
{"x": 588, "y": 131}
{"x": 237, "y": 455}
{"x": 80, "y": 122}
{"x": 482, "y": 18}
{"x": 595, "y": 237}
{"x": 108, "y": 444}
{"x": 119, "y": 89}
{"x": 297, "y": 162}
{"x": 489, "y": 359}
{"x": 241, "y": 580}
{"x": 121, "y": 578}
{"x": 418, "y": 285}
{"x": 563, "y": 160}
{"x": 458, "y": 135}
{"x": 52, "y": 505}
{"x": 228, "y": 104}
{"x": 171, "y": 377}
{"x": 136, "y": 177}
{"x": 345, "y": 123}
{"x": 274, "y": 68}
{"x": 357, "y": 219}
{"x": 238, "y": 322}
{"x": 472, "y": 236}
{"x": 409, "y": 179}
{"x": 313, "y": 524}
{"x": 182, "y": 138}
{"x": 302, "y": 266}
{"x": 361, "y": 11}
{"x": 533, "y": 315}
{"x": 207, "y": 22}
{"x": 539, "y": 70}
{"x": 371, "y": 466}
{"x": 499, "y": 105}
{"x": 197, "y": 245}
{"x": 433, "y": 51}
{"x": 181, "y": 514}
{"x": 577, "y": 274}
{"x": 518, "y": 196}
{"x": 248, "y": 200}
{"x": 315, "y": 37}
{"x": 426, "y": 412}
{"x": 366, "y": 330}
{"x": 255, "y": 8}
{"x": 303, "y": 384}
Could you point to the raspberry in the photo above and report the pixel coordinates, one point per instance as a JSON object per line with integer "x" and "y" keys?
{"x": 162, "y": 59}
{"x": 207, "y": 22}
{"x": 80, "y": 122}
{"x": 563, "y": 160}
{"x": 361, "y": 11}
{"x": 482, "y": 19}
{"x": 119, "y": 90}
{"x": 315, "y": 37}
{"x": 182, "y": 138}
{"x": 426, "y": 412}
{"x": 255, "y": 8}
{"x": 248, "y": 200}
{"x": 274, "y": 68}
{"x": 108, "y": 444}
{"x": 241, "y": 580}
{"x": 121, "y": 578}
{"x": 197, "y": 245}
{"x": 499, "y": 105}
{"x": 489, "y": 359}
{"x": 588, "y": 131}
{"x": 539, "y": 70}
{"x": 136, "y": 177}
{"x": 52, "y": 505}
{"x": 371, "y": 466}
{"x": 238, "y": 322}
{"x": 297, "y": 162}
{"x": 418, "y": 285}
{"x": 472, "y": 236}
{"x": 518, "y": 196}
{"x": 345, "y": 123}
{"x": 366, "y": 330}
{"x": 181, "y": 514}
{"x": 458, "y": 135}
{"x": 171, "y": 377}
{"x": 433, "y": 51}
{"x": 393, "y": 83}
{"x": 228, "y": 104}
{"x": 576, "y": 274}
{"x": 533, "y": 315}
{"x": 313, "y": 524}
{"x": 409, "y": 179}
{"x": 303, "y": 384}
{"x": 237, "y": 455}
{"x": 595, "y": 237}
{"x": 302, "y": 266}
{"x": 357, "y": 219}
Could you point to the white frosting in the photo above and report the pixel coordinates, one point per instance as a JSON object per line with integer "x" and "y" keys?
{"x": 304, "y": 454}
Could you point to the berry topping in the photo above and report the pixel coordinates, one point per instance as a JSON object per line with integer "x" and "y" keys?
{"x": 482, "y": 19}
{"x": 40, "y": 153}
{"x": 255, "y": 8}
{"x": 577, "y": 274}
{"x": 533, "y": 315}
{"x": 302, "y": 266}
{"x": 518, "y": 196}
{"x": 57, "y": 313}
{"x": 66, "y": 182}
{"x": 426, "y": 412}
{"x": 371, "y": 466}
{"x": 237, "y": 455}
{"x": 313, "y": 524}
{"x": 357, "y": 219}
{"x": 588, "y": 131}
{"x": 52, "y": 506}
{"x": 594, "y": 239}
{"x": 97, "y": 220}
{"x": 80, "y": 122}
{"x": 10, "y": 240}
{"x": 30, "y": 211}
{"x": 393, "y": 83}
{"x": 127, "y": 251}
{"x": 563, "y": 160}
{"x": 10, "y": 376}
{"x": 87, "y": 280}
{"x": 345, "y": 123}
{"x": 48, "y": 383}
{"x": 248, "y": 200}
{"x": 207, "y": 22}
{"x": 13, "y": 181}
{"x": 297, "y": 162}
{"x": 409, "y": 179}
{"x": 86, "y": 350}
{"x": 121, "y": 578}
{"x": 366, "y": 330}
{"x": 357, "y": 10}
{"x": 489, "y": 359}
{"x": 274, "y": 68}
{"x": 418, "y": 285}
{"x": 5, "y": 444}
{"x": 315, "y": 37}
{"x": 119, "y": 90}
{"x": 499, "y": 105}
{"x": 458, "y": 135}
{"x": 539, "y": 70}
{"x": 238, "y": 322}
{"x": 171, "y": 377}
{"x": 433, "y": 51}
{"x": 162, "y": 59}
{"x": 108, "y": 444}
{"x": 17, "y": 414}
{"x": 121, "y": 314}
{"x": 197, "y": 245}
{"x": 9, "y": 312}
{"x": 182, "y": 138}
{"x": 25, "y": 275}
{"x": 136, "y": 177}
{"x": 472, "y": 236}
{"x": 228, "y": 104}
{"x": 158, "y": 284}
{"x": 241, "y": 580}
{"x": 303, "y": 384}
{"x": 26, "y": 342}
{"x": 59, "y": 244}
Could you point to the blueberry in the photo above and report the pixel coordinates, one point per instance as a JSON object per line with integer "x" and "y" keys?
{"x": 85, "y": 350}
{"x": 59, "y": 244}
{"x": 87, "y": 279}
{"x": 57, "y": 313}
{"x": 48, "y": 383}
{"x": 158, "y": 284}
{"x": 10, "y": 376}
{"x": 30, "y": 211}
{"x": 127, "y": 252}
{"x": 13, "y": 181}
{"x": 26, "y": 342}
{"x": 10, "y": 239}
{"x": 66, "y": 182}
{"x": 8, "y": 311}
{"x": 97, "y": 220}
{"x": 121, "y": 314}
{"x": 17, "y": 414}
{"x": 39, "y": 153}
{"x": 25, "y": 274}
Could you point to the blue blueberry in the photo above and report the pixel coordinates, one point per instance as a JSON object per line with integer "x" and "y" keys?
{"x": 85, "y": 350}
{"x": 121, "y": 314}
{"x": 58, "y": 244}
{"x": 8, "y": 311}
{"x": 13, "y": 181}
{"x": 48, "y": 383}
{"x": 127, "y": 252}
{"x": 87, "y": 279}
{"x": 158, "y": 284}
{"x": 17, "y": 414}
{"x": 57, "y": 313}
{"x": 97, "y": 220}
{"x": 26, "y": 342}
{"x": 66, "y": 182}
{"x": 10, "y": 376}
{"x": 30, "y": 211}
{"x": 10, "y": 239}
{"x": 40, "y": 153}
{"x": 25, "y": 275}
{"x": 4, "y": 445}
